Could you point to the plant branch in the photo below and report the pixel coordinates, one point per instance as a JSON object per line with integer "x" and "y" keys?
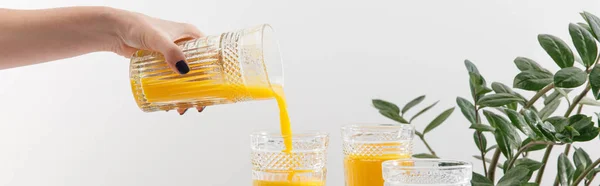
{"x": 538, "y": 178}
{"x": 586, "y": 172}
{"x": 577, "y": 99}
{"x": 592, "y": 179}
{"x": 479, "y": 138}
{"x": 538, "y": 95}
{"x": 427, "y": 144}
{"x": 493, "y": 164}
{"x": 524, "y": 148}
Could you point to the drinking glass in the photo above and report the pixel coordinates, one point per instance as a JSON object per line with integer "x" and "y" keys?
{"x": 235, "y": 66}
{"x": 367, "y": 146}
{"x": 422, "y": 172}
{"x": 275, "y": 164}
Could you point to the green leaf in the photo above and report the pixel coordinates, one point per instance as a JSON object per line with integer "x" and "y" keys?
{"x": 525, "y": 64}
{"x": 483, "y": 143}
{"x": 533, "y": 120}
{"x": 412, "y": 103}
{"x": 530, "y": 184}
{"x": 471, "y": 68}
{"x": 532, "y": 165}
{"x": 501, "y": 88}
{"x": 547, "y": 130}
{"x": 515, "y": 177}
{"x": 503, "y": 144}
{"x": 580, "y": 121}
{"x": 482, "y": 128}
{"x": 519, "y": 122}
{"x": 586, "y": 26}
{"x": 499, "y": 99}
{"x": 558, "y": 122}
{"x": 479, "y": 180}
{"x": 392, "y": 115}
{"x": 570, "y": 77}
{"x": 594, "y": 23}
{"x": 467, "y": 108}
{"x": 423, "y": 111}
{"x": 533, "y": 80}
{"x": 589, "y": 101}
{"x": 558, "y": 50}
{"x": 505, "y": 126}
{"x": 478, "y": 83}
{"x": 565, "y": 170}
{"x": 385, "y": 105}
{"x": 549, "y": 109}
{"x": 533, "y": 147}
{"x": 584, "y": 43}
{"x": 557, "y": 94}
{"x": 425, "y": 156}
{"x": 587, "y": 134}
{"x": 438, "y": 120}
{"x": 581, "y": 158}
{"x": 595, "y": 81}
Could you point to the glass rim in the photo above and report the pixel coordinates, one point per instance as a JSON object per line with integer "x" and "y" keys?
{"x": 267, "y": 29}
{"x": 397, "y": 163}
{"x": 377, "y": 126}
{"x": 304, "y": 134}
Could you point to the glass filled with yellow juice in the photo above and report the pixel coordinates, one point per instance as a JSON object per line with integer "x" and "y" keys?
{"x": 367, "y": 146}
{"x": 430, "y": 172}
{"x": 235, "y": 66}
{"x": 276, "y": 164}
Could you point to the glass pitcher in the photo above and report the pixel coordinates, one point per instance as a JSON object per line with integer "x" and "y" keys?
{"x": 231, "y": 67}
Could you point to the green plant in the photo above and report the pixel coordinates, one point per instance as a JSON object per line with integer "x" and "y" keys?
{"x": 392, "y": 111}
{"x": 519, "y": 128}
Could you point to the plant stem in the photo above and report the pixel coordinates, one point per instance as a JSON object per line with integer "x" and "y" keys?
{"x": 538, "y": 95}
{"x": 586, "y": 172}
{"x": 479, "y": 138}
{"x": 493, "y": 164}
{"x": 579, "y": 109}
{"x": 524, "y": 148}
{"x": 590, "y": 181}
{"x": 538, "y": 178}
{"x": 577, "y": 100}
{"x": 427, "y": 145}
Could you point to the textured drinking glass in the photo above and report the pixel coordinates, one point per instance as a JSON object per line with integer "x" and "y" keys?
{"x": 421, "y": 172}
{"x": 304, "y": 165}
{"x": 225, "y": 68}
{"x": 367, "y": 146}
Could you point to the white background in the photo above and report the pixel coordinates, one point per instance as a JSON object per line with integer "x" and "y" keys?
{"x": 74, "y": 122}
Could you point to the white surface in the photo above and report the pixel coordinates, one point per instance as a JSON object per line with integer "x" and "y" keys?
{"x": 73, "y": 122}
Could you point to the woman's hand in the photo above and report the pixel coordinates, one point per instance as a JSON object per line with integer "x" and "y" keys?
{"x": 137, "y": 31}
{"x": 36, "y": 36}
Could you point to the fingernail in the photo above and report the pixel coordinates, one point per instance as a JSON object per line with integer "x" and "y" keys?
{"x": 182, "y": 111}
{"x": 182, "y": 67}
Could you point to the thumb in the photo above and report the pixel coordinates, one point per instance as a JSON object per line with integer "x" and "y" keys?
{"x": 173, "y": 54}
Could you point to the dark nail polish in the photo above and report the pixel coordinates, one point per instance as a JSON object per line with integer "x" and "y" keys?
{"x": 182, "y": 67}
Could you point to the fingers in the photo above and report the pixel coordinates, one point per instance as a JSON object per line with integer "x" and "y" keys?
{"x": 182, "y": 111}
{"x": 173, "y": 54}
{"x": 190, "y": 30}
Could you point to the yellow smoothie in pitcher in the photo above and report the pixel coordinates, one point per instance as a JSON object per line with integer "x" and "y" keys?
{"x": 286, "y": 183}
{"x": 364, "y": 169}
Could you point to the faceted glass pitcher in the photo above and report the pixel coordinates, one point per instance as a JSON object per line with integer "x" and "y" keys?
{"x": 427, "y": 172}
{"x": 367, "y": 146}
{"x": 231, "y": 67}
{"x": 302, "y": 164}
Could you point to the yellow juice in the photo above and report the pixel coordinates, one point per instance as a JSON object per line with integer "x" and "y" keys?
{"x": 364, "y": 169}
{"x": 287, "y": 183}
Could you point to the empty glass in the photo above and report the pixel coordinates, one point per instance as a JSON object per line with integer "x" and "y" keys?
{"x": 421, "y": 172}
{"x": 273, "y": 164}
{"x": 367, "y": 146}
{"x": 225, "y": 68}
